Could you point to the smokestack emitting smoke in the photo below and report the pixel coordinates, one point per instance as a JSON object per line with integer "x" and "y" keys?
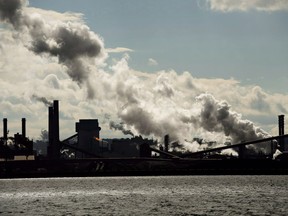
{"x": 43, "y": 100}
{"x": 150, "y": 105}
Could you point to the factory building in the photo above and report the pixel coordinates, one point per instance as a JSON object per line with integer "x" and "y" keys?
{"x": 17, "y": 147}
{"x": 126, "y": 147}
{"x": 86, "y": 143}
{"x": 88, "y": 137}
{"x": 84, "y": 153}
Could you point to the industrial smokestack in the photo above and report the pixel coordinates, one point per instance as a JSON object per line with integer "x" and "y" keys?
{"x": 281, "y": 124}
{"x": 166, "y": 143}
{"x": 56, "y": 120}
{"x": 5, "y": 131}
{"x": 53, "y": 125}
{"x": 50, "y": 125}
{"x": 281, "y": 131}
{"x": 23, "y": 127}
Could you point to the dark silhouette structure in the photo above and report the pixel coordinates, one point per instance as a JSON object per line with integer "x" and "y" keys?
{"x": 85, "y": 154}
{"x": 5, "y": 130}
{"x": 281, "y": 133}
{"x": 53, "y": 125}
{"x": 166, "y": 143}
{"x": 17, "y": 146}
{"x": 88, "y": 137}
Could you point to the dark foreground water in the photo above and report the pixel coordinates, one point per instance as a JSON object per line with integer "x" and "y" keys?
{"x": 169, "y": 195}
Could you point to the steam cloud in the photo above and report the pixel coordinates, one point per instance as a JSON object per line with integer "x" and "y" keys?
{"x": 73, "y": 43}
{"x": 120, "y": 127}
{"x": 212, "y": 116}
{"x": 216, "y": 116}
{"x": 146, "y": 105}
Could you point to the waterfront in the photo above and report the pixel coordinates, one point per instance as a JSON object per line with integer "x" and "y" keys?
{"x": 156, "y": 195}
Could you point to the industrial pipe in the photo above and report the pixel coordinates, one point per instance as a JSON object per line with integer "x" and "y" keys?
{"x": 5, "y": 130}
{"x": 23, "y": 127}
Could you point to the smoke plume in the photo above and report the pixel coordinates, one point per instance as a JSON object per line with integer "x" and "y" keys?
{"x": 10, "y": 11}
{"x": 73, "y": 43}
{"x": 120, "y": 127}
{"x": 216, "y": 116}
{"x": 43, "y": 100}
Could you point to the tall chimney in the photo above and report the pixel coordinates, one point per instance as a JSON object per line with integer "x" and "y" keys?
{"x": 166, "y": 143}
{"x": 23, "y": 127}
{"x": 5, "y": 130}
{"x": 56, "y": 120}
{"x": 281, "y": 124}
{"x": 281, "y": 131}
{"x": 50, "y": 125}
{"x": 54, "y": 146}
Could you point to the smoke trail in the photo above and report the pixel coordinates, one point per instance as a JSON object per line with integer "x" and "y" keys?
{"x": 73, "y": 43}
{"x": 120, "y": 127}
{"x": 216, "y": 116}
{"x": 174, "y": 104}
{"x": 43, "y": 100}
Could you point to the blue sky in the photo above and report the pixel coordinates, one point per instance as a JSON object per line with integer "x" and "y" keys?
{"x": 250, "y": 46}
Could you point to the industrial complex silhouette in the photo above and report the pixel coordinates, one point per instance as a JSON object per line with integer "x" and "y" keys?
{"x": 86, "y": 154}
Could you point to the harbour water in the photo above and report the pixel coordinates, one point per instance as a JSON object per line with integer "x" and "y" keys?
{"x": 156, "y": 195}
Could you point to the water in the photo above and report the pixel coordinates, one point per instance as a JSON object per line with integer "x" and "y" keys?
{"x": 169, "y": 195}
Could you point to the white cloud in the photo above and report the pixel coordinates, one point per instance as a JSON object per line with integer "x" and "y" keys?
{"x": 56, "y": 16}
{"x": 246, "y": 5}
{"x": 118, "y": 50}
{"x": 152, "y": 62}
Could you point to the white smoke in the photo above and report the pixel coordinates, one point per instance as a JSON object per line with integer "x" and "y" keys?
{"x": 277, "y": 153}
{"x": 121, "y": 127}
{"x": 73, "y": 44}
{"x": 216, "y": 116}
{"x": 147, "y": 104}
{"x": 160, "y": 108}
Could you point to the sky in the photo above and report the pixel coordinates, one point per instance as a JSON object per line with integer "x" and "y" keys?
{"x": 212, "y": 68}
{"x": 246, "y": 44}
